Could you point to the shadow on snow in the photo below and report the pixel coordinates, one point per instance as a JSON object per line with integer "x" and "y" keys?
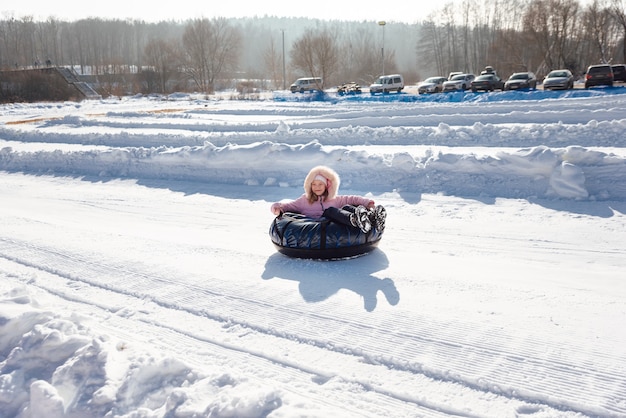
{"x": 318, "y": 280}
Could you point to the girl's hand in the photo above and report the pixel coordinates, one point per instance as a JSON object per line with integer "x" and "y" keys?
{"x": 276, "y": 210}
{"x": 371, "y": 204}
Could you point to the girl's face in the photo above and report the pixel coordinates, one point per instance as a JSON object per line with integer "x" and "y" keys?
{"x": 318, "y": 187}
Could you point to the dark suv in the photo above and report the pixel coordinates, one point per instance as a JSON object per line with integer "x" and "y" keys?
{"x": 599, "y": 75}
{"x": 619, "y": 72}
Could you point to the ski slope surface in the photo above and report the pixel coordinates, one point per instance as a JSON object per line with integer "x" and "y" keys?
{"x": 137, "y": 277}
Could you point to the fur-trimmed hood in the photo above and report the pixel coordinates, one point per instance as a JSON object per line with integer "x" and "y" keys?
{"x": 332, "y": 180}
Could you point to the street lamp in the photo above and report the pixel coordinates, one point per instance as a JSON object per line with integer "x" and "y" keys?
{"x": 383, "y": 23}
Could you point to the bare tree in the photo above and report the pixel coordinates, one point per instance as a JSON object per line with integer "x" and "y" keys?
{"x": 212, "y": 50}
{"x": 432, "y": 47}
{"x": 618, "y": 8}
{"x": 18, "y": 42}
{"x": 272, "y": 58}
{"x": 359, "y": 58}
{"x": 553, "y": 27}
{"x": 512, "y": 45}
{"x": 84, "y": 42}
{"x": 316, "y": 54}
{"x": 454, "y": 48}
{"x": 598, "y": 22}
{"x": 163, "y": 59}
{"x": 49, "y": 40}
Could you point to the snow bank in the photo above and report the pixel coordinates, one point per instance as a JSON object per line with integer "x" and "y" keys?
{"x": 544, "y": 144}
{"x": 570, "y": 173}
{"x": 53, "y": 367}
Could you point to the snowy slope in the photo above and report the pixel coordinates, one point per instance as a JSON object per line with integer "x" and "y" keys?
{"x": 138, "y": 279}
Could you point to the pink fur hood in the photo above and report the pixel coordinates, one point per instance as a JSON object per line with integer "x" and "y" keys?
{"x": 332, "y": 180}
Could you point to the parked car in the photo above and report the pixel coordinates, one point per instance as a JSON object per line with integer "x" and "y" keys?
{"x": 453, "y": 73}
{"x": 619, "y": 72}
{"x": 487, "y": 82}
{"x": 599, "y": 75}
{"x": 458, "y": 82}
{"x": 387, "y": 83}
{"x": 349, "y": 88}
{"x": 559, "y": 79}
{"x": 431, "y": 85}
{"x": 517, "y": 81}
{"x": 306, "y": 84}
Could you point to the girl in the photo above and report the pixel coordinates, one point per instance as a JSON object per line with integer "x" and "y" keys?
{"x": 320, "y": 199}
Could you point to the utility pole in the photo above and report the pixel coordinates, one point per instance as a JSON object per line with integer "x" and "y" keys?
{"x": 383, "y": 23}
{"x": 284, "y": 75}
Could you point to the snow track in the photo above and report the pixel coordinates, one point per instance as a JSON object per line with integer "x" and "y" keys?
{"x": 381, "y": 356}
{"x": 409, "y": 360}
{"x": 216, "y": 329}
{"x": 144, "y": 226}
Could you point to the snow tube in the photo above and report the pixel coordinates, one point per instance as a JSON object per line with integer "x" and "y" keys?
{"x": 296, "y": 235}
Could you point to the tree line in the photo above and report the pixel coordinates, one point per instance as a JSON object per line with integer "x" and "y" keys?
{"x": 525, "y": 35}
{"x": 269, "y": 53}
{"x": 199, "y": 54}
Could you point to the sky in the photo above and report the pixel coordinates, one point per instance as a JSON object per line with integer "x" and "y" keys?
{"x": 138, "y": 277}
{"x": 189, "y": 9}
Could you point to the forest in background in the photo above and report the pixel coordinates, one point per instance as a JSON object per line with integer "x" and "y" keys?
{"x": 132, "y": 56}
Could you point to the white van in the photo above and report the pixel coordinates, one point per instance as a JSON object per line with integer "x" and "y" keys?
{"x": 387, "y": 83}
{"x": 306, "y": 84}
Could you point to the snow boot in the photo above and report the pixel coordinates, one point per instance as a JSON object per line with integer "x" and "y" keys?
{"x": 378, "y": 215}
{"x": 360, "y": 219}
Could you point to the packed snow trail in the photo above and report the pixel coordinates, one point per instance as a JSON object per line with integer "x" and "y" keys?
{"x": 137, "y": 275}
{"x": 461, "y": 312}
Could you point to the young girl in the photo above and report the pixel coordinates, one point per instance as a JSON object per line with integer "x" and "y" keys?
{"x": 320, "y": 199}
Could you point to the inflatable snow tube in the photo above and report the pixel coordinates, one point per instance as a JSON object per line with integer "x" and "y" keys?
{"x": 296, "y": 235}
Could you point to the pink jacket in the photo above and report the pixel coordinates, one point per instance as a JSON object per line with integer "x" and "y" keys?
{"x": 315, "y": 209}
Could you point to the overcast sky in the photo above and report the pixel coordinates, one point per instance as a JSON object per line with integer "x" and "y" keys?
{"x": 187, "y": 9}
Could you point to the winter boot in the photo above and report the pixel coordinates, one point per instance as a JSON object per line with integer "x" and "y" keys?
{"x": 359, "y": 219}
{"x": 378, "y": 215}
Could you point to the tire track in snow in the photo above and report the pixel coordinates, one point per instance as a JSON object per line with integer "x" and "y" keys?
{"x": 115, "y": 303}
{"x": 196, "y": 351}
{"x": 400, "y": 352}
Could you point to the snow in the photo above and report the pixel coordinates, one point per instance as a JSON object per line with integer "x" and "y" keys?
{"x": 137, "y": 278}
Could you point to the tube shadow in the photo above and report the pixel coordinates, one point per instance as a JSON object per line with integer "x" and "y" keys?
{"x": 318, "y": 279}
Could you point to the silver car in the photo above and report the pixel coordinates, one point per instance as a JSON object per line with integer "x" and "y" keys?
{"x": 431, "y": 85}
{"x": 559, "y": 79}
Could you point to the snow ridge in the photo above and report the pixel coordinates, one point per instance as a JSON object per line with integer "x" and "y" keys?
{"x": 194, "y": 140}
